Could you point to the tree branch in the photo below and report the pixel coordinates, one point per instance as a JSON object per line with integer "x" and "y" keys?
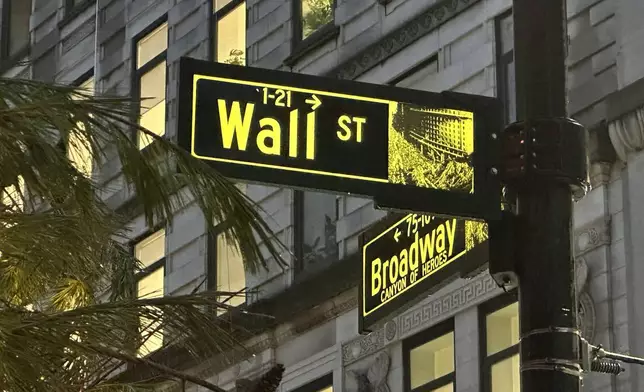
{"x": 157, "y": 366}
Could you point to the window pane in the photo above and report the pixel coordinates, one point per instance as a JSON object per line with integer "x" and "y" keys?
{"x": 315, "y": 14}
{"x": 20, "y": 11}
{"x": 152, "y": 45}
{"x": 150, "y": 286}
{"x": 230, "y": 271}
{"x": 219, "y": 4}
{"x": 329, "y": 389}
{"x": 507, "y": 34}
{"x": 432, "y": 360}
{"x": 506, "y": 376}
{"x": 502, "y": 328}
{"x": 78, "y": 148}
{"x": 151, "y": 249}
{"x": 231, "y": 37}
{"x": 320, "y": 217}
{"x": 152, "y": 96}
{"x": 445, "y": 388}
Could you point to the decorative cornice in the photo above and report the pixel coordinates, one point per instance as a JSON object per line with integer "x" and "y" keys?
{"x": 400, "y": 38}
{"x": 627, "y": 133}
{"x": 471, "y": 293}
{"x": 591, "y": 236}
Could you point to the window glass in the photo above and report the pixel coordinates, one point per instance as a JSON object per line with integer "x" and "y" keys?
{"x": 78, "y": 149}
{"x": 20, "y": 11}
{"x": 151, "y": 249}
{"x": 150, "y": 286}
{"x": 445, "y": 388}
{"x": 152, "y": 45}
{"x": 507, "y": 34}
{"x": 502, "y": 328}
{"x": 329, "y": 389}
{"x": 319, "y": 221}
{"x": 219, "y": 4}
{"x": 432, "y": 360}
{"x": 231, "y": 275}
{"x": 315, "y": 14}
{"x": 231, "y": 37}
{"x": 152, "y": 94}
{"x": 511, "y": 93}
{"x": 506, "y": 375}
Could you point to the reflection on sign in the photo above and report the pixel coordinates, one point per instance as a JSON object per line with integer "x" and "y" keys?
{"x": 411, "y": 253}
{"x": 345, "y": 137}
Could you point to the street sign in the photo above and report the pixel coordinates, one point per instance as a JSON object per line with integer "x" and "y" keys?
{"x": 408, "y": 150}
{"x": 406, "y": 259}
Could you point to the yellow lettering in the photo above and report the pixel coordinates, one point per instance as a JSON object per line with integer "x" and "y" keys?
{"x": 403, "y": 266}
{"x": 440, "y": 239}
{"x": 360, "y": 121}
{"x": 451, "y": 229}
{"x": 292, "y": 133}
{"x": 310, "y": 136}
{"x": 273, "y": 132}
{"x": 376, "y": 281}
{"x": 427, "y": 247}
{"x": 413, "y": 254}
{"x": 344, "y": 122}
{"x": 393, "y": 269}
{"x": 234, "y": 125}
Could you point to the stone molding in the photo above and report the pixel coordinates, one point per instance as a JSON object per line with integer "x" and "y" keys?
{"x": 428, "y": 313}
{"x": 627, "y": 133}
{"x": 591, "y": 236}
{"x": 400, "y": 38}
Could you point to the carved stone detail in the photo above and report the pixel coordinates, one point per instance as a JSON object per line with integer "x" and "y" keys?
{"x": 586, "y": 317}
{"x": 591, "y": 236}
{"x": 374, "y": 378}
{"x": 399, "y": 39}
{"x": 472, "y": 292}
{"x": 627, "y": 133}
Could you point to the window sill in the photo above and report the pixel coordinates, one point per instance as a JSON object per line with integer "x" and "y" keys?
{"x": 320, "y": 37}
{"x": 71, "y": 14}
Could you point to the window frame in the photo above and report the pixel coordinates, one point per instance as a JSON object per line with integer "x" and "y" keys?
{"x": 137, "y": 74}
{"x": 212, "y": 261}
{"x": 7, "y": 59}
{"x": 487, "y": 361}
{"x": 502, "y": 61}
{"x": 71, "y": 10}
{"x": 215, "y": 16}
{"x": 419, "y": 339}
{"x": 317, "y": 384}
{"x": 300, "y": 46}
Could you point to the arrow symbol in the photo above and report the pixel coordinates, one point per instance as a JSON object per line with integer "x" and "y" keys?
{"x": 314, "y": 101}
{"x": 397, "y": 234}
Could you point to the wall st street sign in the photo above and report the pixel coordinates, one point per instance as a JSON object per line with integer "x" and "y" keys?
{"x": 408, "y": 150}
{"x": 407, "y": 258}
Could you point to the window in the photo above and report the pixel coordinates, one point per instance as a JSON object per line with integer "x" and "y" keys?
{"x": 316, "y": 215}
{"x": 15, "y": 27}
{"x": 77, "y": 147}
{"x": 229, "y": 31}
{"x": 499, "y": 327}
{"x": 226, "y": 271}
{"x": 428, "y": 360}
{"x": 323, "y": 384}
{"x": 313, "y": 16}
{"x": 150, "y": 64}
{"x": 150, "y": 251}
{"x": 505, "y": 65}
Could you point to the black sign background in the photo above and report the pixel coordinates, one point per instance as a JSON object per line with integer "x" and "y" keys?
{"x": 362, "y": 159}
{"x": 384, "y": 247}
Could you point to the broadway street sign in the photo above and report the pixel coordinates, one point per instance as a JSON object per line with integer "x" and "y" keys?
{"x": 406, "y": 259}
{"x": 408, "y": 150}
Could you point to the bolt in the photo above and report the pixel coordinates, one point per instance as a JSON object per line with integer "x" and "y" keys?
{"x": 494, "y": 171}
{"x": 493, "y": 136}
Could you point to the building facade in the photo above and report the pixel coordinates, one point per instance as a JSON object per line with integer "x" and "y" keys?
{"x": 465, "y": 336}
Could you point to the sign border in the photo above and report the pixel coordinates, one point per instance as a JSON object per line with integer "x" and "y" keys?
{"x": 483, "y": 203}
